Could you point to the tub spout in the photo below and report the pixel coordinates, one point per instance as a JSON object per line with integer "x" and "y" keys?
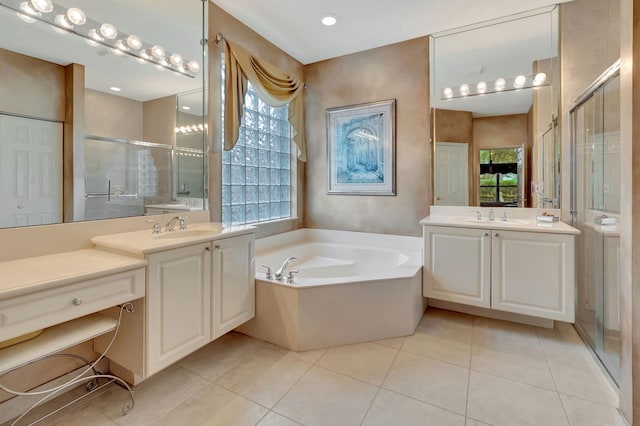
{"x": 280, "y": 272}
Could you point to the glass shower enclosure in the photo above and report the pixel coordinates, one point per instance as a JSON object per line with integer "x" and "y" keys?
{"x": 595, "y": 210}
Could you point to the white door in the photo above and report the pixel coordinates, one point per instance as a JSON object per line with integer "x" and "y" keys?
{"x": 451, "y": 176}
{"x": 233, "y": 291}
{"x": 532, "y": 273}
{"x": 30, "y": 171}
{"x": 457, "y": 265}
{"x": 178, "y": 304}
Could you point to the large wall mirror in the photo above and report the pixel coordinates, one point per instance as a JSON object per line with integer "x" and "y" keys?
{"x": 101, "y": 109}
{"x": 494, "y": 104}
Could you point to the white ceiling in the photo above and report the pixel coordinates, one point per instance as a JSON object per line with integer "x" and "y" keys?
{"x": 294, "y": 25}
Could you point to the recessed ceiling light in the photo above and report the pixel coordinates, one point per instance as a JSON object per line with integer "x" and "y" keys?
{"x": 329, "y": 20}
{"x": 115, "y": 89}
{"x": 186, "y": 108}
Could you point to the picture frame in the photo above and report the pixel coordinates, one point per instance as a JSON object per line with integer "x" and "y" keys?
{"x": 361, "y": 149}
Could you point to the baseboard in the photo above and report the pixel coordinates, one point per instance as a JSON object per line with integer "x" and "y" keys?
{"x": 490, "y": 313}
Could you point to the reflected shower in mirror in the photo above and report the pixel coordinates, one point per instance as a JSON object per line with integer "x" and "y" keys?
{"x": 494, "y": 92}
{"x": 101, "y": 112}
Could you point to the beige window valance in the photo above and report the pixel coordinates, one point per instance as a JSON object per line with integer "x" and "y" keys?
{"x": 272, "y": 85}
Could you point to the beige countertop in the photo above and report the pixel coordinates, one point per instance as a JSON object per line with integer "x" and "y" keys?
{"x": 141, "y": 243}
{"x": 513, "y": 224}
{"x": 23, "y": 276}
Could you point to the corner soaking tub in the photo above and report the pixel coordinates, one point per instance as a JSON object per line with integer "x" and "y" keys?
{"x": 351, "y": 287}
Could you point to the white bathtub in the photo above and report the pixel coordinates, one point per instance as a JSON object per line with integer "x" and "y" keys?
{"x": 352, "y": 287}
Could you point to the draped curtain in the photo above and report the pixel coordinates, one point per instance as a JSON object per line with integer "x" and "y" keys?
{"x": 272, "y": 85}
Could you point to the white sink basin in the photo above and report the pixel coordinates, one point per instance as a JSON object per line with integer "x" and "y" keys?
{"x": 487, "y": 222}
{"x": 189, "y": 233}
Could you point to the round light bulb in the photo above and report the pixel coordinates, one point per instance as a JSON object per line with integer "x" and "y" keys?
{"x": 91, "y": 42}
{"x": 62, "y": 21}
{"x": 519, "y": 82}
{"x": 175, "y": 59}
{"x": 193, "y": 66}
{"x": 59, "y": 30}
{"x": 116, "y": 51}
{"x": 481, "y": 87}
{"x": 539, "y": 79}
{"x": 329, "y": 20}
{"x": 76, "y": 16}
{"x": 29, "y": 12}
{"x": 42, "y": 6}
{"x": 108, "y": 31}
{"x": 121, "y": 45}
{"x": 134, "y": 42}
{"x": 447, "y": 92}
{"x": 95, "y": 35}
{"x": 141, "y": 60}
{"x": 159, "y": 67}
{"x": 464, "y": 89}
{"x": 157, "y": 52}
{"x": 499, "y": 84}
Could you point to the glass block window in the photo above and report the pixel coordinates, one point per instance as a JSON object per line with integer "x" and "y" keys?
{"x": 256, "y": 174}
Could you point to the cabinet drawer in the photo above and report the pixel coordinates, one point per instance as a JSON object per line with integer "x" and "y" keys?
{"x": 23, "y": 314}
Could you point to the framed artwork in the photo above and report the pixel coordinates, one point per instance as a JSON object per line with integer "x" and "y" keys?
{"x": 361, "y": 149}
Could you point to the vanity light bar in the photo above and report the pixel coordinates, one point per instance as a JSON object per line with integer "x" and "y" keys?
{"x": 74, "y": 20}
{"x": 519, "y": 82}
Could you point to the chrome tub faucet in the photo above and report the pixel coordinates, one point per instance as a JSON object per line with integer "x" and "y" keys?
{"x": 280, "y": 272}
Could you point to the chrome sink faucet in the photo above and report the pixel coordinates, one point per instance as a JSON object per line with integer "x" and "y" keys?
{"x": 503, "y": 216}
{"x": 280, "y": 272}
{"x": 491, "y": 215}
{"x": 478, "y": 214}
{"x": 170, "y": 226}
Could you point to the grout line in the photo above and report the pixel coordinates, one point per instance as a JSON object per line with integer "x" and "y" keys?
{"x": 466, "y": 405}
{"x": 423, "y": 402}
{"x": 366, "y": 413}
{"x": 564, "y": 409}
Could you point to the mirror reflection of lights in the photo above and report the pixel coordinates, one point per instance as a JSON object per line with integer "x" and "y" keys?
{"x": 73, "y": 20}
{"x": 191, "y": 128}
{"x": 500, "y": 84}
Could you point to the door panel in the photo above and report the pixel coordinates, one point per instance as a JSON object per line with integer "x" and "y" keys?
{"x": 451, "y": 177}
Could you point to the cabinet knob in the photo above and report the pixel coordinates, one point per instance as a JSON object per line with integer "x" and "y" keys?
{"x": 77, "y": 301}
{"x": 207, "y": 248}
{"x": 497, "y": 235}
{"x": 217, "y": 247}
{"x": 486, "y": 234}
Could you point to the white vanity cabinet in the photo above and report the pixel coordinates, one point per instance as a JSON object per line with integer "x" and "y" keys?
{"x": 533, "y": 274}
{"x": 177, "y": 304}
{"x": 458, "y": 265}
{"x": 233, "y": 283}
{"x": 197, "y": 289}
{"x": 530, "y": 273}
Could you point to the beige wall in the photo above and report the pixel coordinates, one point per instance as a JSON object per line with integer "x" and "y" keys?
{"x": 452, "y": 126}
{"x": 399, "y": 71}
{"x": 159, "y": 120}
{"x": 31, "y": 87}
{"x": 112, "y": 116}
{"x": 220, "y": 22}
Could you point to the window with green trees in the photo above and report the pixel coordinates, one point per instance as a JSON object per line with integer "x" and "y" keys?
{"x": 499, "y": 176}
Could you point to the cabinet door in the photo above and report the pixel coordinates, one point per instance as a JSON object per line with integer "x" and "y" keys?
{"x": 533, "y": 274}
{"x": 233, "y": 290}
{"x": 457, "y": 265}
{"x": 178, "y": 304}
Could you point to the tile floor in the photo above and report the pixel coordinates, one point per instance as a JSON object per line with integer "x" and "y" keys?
{"x": 455, "y": 370}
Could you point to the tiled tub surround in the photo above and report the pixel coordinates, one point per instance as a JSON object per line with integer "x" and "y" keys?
{"x": 351, "y": 287}
{"x": 455, "y": 370}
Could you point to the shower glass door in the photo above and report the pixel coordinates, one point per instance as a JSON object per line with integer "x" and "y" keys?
{"x": 595, "y": 212}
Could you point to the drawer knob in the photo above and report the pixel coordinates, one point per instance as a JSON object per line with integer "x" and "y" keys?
{"x": 77, "y": 301}
{"x": 217, "y": 247}
{"x": 207, "y": 248}
{"x": 497, "y": 235}
{"x": 486, "y": 234}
